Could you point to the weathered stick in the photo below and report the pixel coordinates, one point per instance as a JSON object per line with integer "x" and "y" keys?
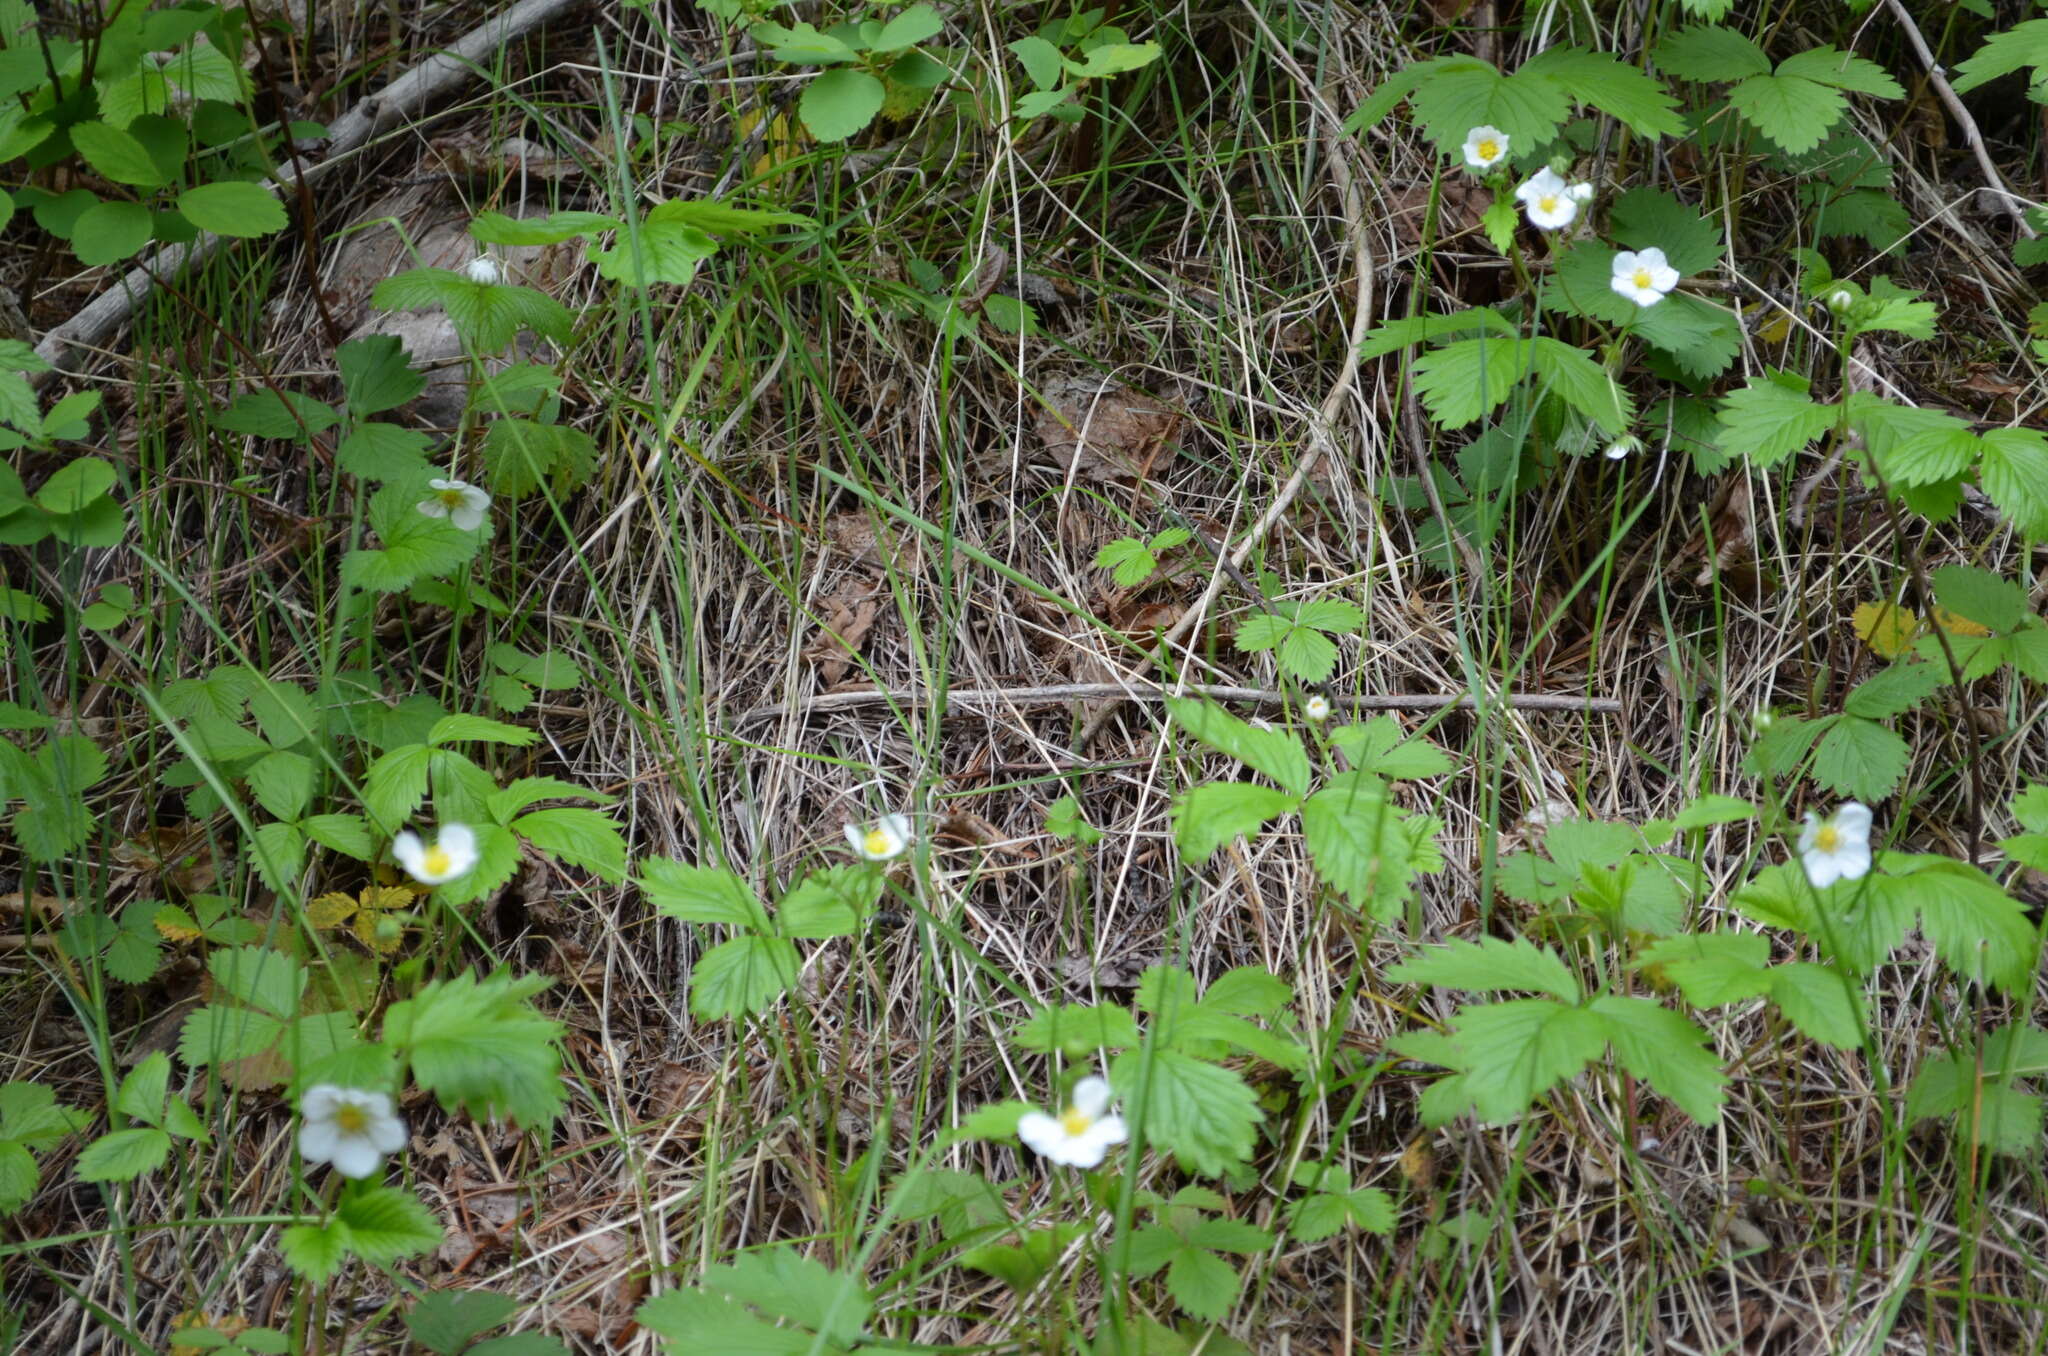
{"x": 1136, "y": 691}
{"x": 105, "y": 314}
{"x": 2014, "y": 205}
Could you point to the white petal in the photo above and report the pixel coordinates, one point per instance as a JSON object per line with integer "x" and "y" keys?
{"x": 1581, "y": 192}
{"x": 1853, "y": 819}
{"x": 1091, "y": 1096}
{"x": 468, "y": 518}
{"x": 459, "y": 842}
{"x": 1624, "y": 263}
{"x": 1652, "y": 258}
{"x": 386, "y": 1134}
{"x": 1042, "y": 1133}
{"x": 1821, "y": 869}
{"x": 1664, "y": 278}
{"x": 1853, "y": 862}
{"x": 317, "y": 1141}
{"x": 897, "y": 827}
{"x": 444, "y": 484}
{"x": 1071, "y": 1152}
{"x": 432, "y": 508}
{"x": 1809, "y": 834}
{"x": 411, "y": 854}
{"x": 320, "y": 1100}
{"x": 1099, "y": 1138}
{"x": 353, "y": 1156}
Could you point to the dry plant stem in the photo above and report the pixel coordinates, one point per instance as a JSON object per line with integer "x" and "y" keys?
{"x": 2013, "y": 206}
{"x": 101, "y": 318}
{"x": 1322, "y": 438}
{"x": 1137, "y": 690}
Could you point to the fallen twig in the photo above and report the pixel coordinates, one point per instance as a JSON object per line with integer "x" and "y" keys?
{"x": 99, "y": 319}
{"x": 1134, "y": 691}
{"x": 2014, "y": 205}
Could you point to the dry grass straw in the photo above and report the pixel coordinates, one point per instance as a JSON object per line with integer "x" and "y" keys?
{"x": 1201, "y": 258}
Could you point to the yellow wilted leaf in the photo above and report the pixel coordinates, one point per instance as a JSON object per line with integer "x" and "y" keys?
{"x": 1775, "y": 327}
{"x": 175, "y": 924}
{"x": 1886, "y": 628}
{"x": 193, "y": 1320}
{"x": 330, "y": 910}
{"x": 1958, "y": 626}
{"x": 783, "y": 139}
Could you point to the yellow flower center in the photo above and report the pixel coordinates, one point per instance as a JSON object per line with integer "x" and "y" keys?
{"x": 437, "y": 860}
{"x": 351, "y": 1119}
{"x": 1546, "y": 205}
{"x": 1643, "y": 280}
{"x": 1076, "y": 1121}
{"x": 1829, "y": 839}
{"x": 450, "y": 498}
{"x": 1488, "y": 149}
{"x": 877, "y": 843}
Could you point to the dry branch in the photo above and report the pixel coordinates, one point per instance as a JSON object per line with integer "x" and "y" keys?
{"x": 1135, "y": 691}
{"x": 102, "y": 317}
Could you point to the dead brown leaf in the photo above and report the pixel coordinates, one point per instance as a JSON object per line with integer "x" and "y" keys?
{"x": 848, "y": 620}
{"x": 1101, "y": 430}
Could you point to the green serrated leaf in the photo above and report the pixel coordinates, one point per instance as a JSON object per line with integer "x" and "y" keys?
{"x": 701, "y": 894}
{"x": 1490, "y": 965}
{"x": 741, "y": 977}
{"x": 1204, "y": 1115}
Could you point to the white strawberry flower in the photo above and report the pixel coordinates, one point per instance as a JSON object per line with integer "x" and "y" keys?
{"x": 1840, "y": 300}
{"x": 458, "y": 501}
{"x": 886, "y": 838}
{"x": 484, "y": 269}
{"x": 1622, "y": 447}
{"x": 1643, "y": 278}
{"x": 1551, "y": 202}
{"x": 348, "y": 1127}
{"x": 1317, "y": 708}
{"x": 451, "y": 854}
{"x": 1081, "y": 1135}
{"x": 1485, "y": 147}
{"x": 1838, "y": 847}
